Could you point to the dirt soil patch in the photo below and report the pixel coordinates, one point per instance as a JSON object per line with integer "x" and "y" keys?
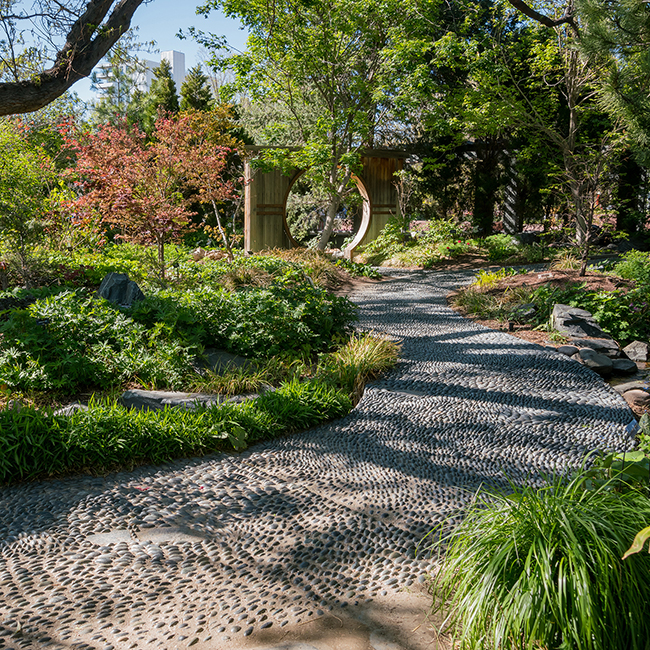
{"x": 352, "y": 284}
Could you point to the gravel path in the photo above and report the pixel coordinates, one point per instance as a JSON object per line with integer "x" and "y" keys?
{"x": 205, "y": 553}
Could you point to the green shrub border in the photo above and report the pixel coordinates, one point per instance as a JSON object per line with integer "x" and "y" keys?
{"x": 107, "y": 437}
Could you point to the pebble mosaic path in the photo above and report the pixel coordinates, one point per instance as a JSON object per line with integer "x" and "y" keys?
{"x": 203, "y": 552}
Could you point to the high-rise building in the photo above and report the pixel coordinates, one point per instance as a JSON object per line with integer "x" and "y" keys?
{"x": 144, "y": 75}
{"x": 177, "y": 62}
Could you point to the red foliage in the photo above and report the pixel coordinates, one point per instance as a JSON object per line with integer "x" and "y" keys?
{"x": 144, "y": 189}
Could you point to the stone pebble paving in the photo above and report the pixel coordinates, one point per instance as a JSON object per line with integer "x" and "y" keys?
{"x": 205, "y": 551}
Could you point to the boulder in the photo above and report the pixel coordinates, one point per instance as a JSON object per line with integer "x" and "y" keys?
{"x": 528, "y": 238}
{"x": 575, "y": 323}
{"x": 637, "y": 399}
{"x": 569, "y": 350}
{"x": 637, "y": 351}
{"x": 608, "y": 347}
{"x": 200, "y": 255}
{"x": 623, "y": 367}
{"x": 118, "y": 289}
{"x": 597, "y": 362}
{"x": 218, "y": 361}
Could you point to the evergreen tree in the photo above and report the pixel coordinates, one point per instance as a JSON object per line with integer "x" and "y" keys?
{"x": 161, "y": 96}
{"x": 195, "y": 91}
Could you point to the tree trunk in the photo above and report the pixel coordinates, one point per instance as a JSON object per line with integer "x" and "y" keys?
{"x": 80, "y": 54}
{"x": 485, "y": 188}
{"x": 222, "y": 232}
{"x": 582, "y": 227}
{"x": 332, "y": 209}
{"x": 337, "y": 190}
{"x": 160, "y": 245}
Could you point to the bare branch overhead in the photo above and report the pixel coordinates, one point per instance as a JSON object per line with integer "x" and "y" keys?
{"x": 88, "y": 40}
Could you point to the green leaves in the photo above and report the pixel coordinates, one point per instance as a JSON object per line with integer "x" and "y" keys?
{"x": 544, "y": 570}
{"x": 107, "y": 436}
{"x": 621, "y": 471}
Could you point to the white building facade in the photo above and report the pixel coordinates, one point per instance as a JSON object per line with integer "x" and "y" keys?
{"x": 144, "y": 76}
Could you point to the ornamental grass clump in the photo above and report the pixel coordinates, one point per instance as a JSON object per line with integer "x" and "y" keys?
{"x": 362, "y": 359}
{"x": 542, "y": 569}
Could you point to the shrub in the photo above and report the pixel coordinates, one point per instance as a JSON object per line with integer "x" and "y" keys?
{"x": 388, "y": 243}
{"x": 635, "y": 266}
{"x": 500, "y": 246}
{"x": 542, "y": 569}
{"x": 107, "y": 436}
{"x": 70, "y": 340}
{"x": 291, "y": 315}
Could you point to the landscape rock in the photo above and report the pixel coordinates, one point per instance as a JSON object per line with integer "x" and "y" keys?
{"x": 637, "y": 399}
{"x": 637, "y": 351}
{"x": 220, "y": 360}
{"x": 569, "y": 350}
{"x": 575, "y": 323}
{"x": 71, "y": 408}
{"x": 597, "y": 362}
{"x": 118, "y": 289}
{"x": 631, "y": 385}
{"x": 200, "y": 254}
{"x": 608, "y": 347}
{"x": 155, "y": 400}
{"x": 528, "y": 238}
{"x": 623, "y": 367}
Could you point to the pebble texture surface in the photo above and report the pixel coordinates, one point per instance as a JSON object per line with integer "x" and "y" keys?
{"x": 204, "y": 551}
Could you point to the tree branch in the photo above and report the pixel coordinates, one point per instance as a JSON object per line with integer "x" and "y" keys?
{"x": 567, "y": 19}
{"x": 75, "y": 59}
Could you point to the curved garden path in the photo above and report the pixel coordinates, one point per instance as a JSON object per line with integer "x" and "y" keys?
{"x": 307, "y": 541}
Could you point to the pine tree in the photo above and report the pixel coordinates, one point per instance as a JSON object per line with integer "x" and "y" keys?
{"x": 161, "y": 96}
{"x": 195, "y": 91}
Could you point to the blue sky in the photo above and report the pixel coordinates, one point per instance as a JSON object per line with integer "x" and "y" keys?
{"x": 161, "y": 20}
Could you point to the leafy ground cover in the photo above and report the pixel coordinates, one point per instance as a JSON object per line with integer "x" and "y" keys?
{"x": 62, "y": 343}
{"x": 446, "y": 242}
{"x": 618, "y": 296}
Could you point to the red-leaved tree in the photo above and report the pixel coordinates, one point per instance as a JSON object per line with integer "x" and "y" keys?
{"x": 142, "y": 189}
{"x": 207, "y": 150}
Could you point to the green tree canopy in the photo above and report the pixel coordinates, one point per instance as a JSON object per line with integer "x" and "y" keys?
{"x": 324, "y": 64}
{"x": 162, "y": 96}
{"x": 195, "y": 91}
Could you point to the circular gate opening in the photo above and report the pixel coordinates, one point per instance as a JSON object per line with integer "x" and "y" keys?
{"x": 306, "y": 213}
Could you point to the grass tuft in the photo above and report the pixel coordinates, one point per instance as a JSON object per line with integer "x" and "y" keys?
{"x": 362, "y": 359}
{"x": 542, "y": 569}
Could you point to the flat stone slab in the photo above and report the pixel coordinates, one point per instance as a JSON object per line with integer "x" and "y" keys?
{"x": 172, "y": 535}
{"x": 631, "y": 385}
{"x": 608, "y": 347}
{"x": 112, "y": 537}
{"x": 154, "y": 400}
